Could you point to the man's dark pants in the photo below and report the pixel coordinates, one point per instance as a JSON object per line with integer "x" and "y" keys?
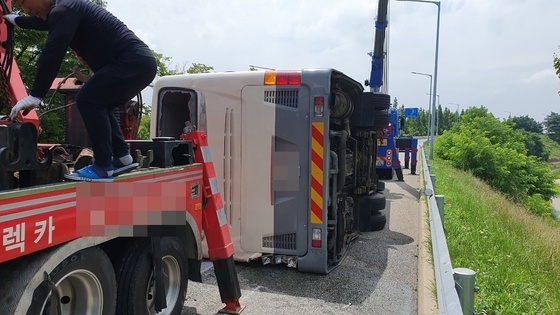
{"x": 124, "y": 76}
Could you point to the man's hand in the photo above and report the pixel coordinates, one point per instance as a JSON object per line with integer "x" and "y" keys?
{"x": 26, "y": 104}
{"x": 11, "y": 18}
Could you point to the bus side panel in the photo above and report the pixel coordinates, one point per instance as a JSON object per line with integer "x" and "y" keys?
{"x": 291, "y": 165}
{"x": 274, "y": 151}
{"x": 223, "y": 123}
{"x": 316, "y": 260}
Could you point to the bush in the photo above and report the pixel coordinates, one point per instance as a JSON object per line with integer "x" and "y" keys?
{"x": 496, "y": 153}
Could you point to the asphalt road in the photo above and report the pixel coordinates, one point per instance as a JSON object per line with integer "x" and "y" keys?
{"x": 378, "y": 276}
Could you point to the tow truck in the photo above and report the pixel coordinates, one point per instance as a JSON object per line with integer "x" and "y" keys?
{"x": 124, "y": 247}
{"x": 391, "y": 143}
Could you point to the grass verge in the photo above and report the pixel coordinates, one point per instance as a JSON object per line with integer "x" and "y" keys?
{"x": 515, "y": 254}
{"x": 554, "y": 157}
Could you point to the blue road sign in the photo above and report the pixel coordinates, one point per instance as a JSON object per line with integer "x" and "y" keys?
{"x": 411, "y": 112}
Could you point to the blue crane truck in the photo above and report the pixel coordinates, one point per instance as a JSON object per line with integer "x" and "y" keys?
{"x": 388, "y": 122}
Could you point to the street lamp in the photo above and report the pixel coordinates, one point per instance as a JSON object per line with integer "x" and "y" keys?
{"x": 437, "y": 114}
{"x": 429, "y": 110}
{"x": 455, "y": 105}
{"x": 457, "y": 109}
{"x": 432, "y": 124}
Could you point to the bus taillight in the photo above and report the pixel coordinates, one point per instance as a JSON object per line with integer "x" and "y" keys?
{"x": 316, "y": 238}
{"x": 319, "y": 103}
{"x": 272, "y": 77}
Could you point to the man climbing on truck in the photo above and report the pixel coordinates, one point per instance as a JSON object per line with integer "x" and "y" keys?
{"x": 122, "y": 65}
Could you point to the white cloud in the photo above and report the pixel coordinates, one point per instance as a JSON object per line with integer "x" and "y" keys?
{"x": 495, "y": 53}
{"x": 545, "y": 76}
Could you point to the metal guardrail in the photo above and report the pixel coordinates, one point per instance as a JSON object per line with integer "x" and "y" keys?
{"x": 447, "y": 296}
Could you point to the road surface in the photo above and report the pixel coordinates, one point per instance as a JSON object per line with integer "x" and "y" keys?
{"x": 378, "y": 276}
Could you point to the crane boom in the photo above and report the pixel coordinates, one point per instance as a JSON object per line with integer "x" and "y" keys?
{"x": 378, "y": 56}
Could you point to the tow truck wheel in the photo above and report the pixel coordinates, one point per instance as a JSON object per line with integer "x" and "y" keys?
{"x": 85, "y": 282}
{"x": 135, "y": 278}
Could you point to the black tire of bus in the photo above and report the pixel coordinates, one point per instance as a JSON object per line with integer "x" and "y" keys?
{"x": 378, "y": 202}
{"x": 380, "y": 186}
{"x": 377, "y": 101}
{"x": 378, "y": 221}
{"x": 90, "y": 262}
{"x": 381, "y": 101}
{"x": 380, "y": 119}
{"x": 134, "y": 276}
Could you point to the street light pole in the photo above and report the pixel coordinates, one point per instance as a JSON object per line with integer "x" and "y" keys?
{"x": 437, "y": 114}
{"x": 457, "y": 111}
{"x": 430, "y": 113}
{"x": 455, "y": 105}
{"x": 432, "y": 125}
{"x": 437, "y": 117}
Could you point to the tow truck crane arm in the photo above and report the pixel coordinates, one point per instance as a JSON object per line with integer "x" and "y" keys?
{"x": 378, "y": 56}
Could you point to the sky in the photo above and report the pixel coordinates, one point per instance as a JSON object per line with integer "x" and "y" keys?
{"x": 492, "y": 53}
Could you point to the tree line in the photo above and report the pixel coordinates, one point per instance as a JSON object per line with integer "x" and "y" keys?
{"x": 498, "y": 153}
{"x": 419, "y": 126}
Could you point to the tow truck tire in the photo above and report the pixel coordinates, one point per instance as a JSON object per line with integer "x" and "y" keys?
{"x": 135, "y": 278}
{"x": 86, "y": 283}
{"x": 384, "y": 173}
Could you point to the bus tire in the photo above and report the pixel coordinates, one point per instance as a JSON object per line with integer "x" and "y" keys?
{"x": 86, "y": 284}
{"x": 378, "y": 101}
{"x": 378, "y": 221}
{"x": 135, "y": 277}
{"x": 380, "y": 119}
{"x": 379, "y": 201}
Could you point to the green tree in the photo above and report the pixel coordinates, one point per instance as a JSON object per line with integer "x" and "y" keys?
{"x": 164, "y": 65}
{"x": 527, "y": 123}
{"x": 552, "y": 125}
{"x": 144, "y": 127}
{"x": 417, "y": 126}
{"x": 535, "y": 145}
{"x": 556, "y": 64}
{"x": 495, "y": 152}
{"x": 199, "y": 68}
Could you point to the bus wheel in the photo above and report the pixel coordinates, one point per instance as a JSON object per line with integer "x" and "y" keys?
{"x": 135, "y": 278}
{"x": 377, "y": 221}
{"x": 83, "y": 283}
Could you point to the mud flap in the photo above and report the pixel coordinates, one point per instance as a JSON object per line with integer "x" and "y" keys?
{"x": 228, "y": 284}
{"x": 160, "y": 301}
